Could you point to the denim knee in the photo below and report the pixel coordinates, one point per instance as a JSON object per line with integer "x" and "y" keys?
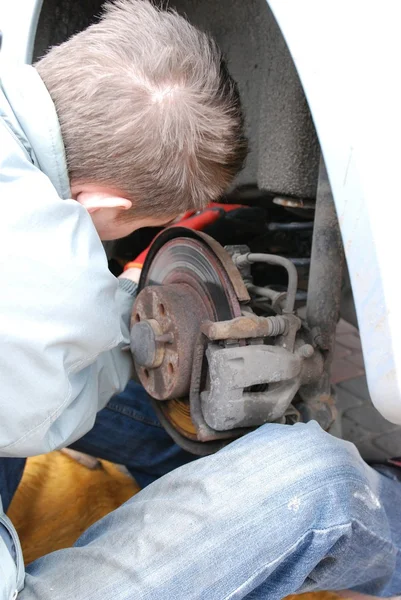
{"x": 283, "y": 462}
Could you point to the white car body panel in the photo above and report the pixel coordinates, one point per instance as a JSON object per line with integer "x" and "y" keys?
{"x": 348, "y": 58}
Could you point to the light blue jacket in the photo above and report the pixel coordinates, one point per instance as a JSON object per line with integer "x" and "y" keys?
{"x": 63, "y": 316}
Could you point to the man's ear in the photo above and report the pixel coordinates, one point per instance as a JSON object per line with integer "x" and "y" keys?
{"x": 94, "y": 201}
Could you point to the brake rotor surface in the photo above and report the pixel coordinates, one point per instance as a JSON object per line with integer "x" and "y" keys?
{"x": 187, "y": 278}
{"x": 191, "y": 261}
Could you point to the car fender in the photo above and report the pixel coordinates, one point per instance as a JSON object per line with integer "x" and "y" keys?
{"x": 347, "y": 55}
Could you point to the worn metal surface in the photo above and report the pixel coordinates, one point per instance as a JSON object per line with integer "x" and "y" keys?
{"x": 324, "y": 293}
{"x": 184, "y": 260}
{"x": 232, "y": 272}
{"x": 233, "y": 371}
{"x": 164, "y": 367}
{"x": 247, "y": 327}
{"x": 185, "y": 280}
{"x": 206, "y": 392}
{"x": 201, "y": 381}
{"x": 326, "y": 271}
{"x": 244, "y": 268}
{"x": 271, "y": 259}
{"x": 211, "y": 263}
{"x": 262, "y": 294}
{"x": 148, "y": 342}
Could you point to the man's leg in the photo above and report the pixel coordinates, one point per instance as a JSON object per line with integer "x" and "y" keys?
{"x": 281, "y": 510}
{"x": 11, "y": 470}
{"x": 128, "y": 432}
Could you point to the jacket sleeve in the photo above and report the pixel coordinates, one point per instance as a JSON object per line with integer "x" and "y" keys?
{"x": 11, "y": 560}
{"x": 63, "y": 317}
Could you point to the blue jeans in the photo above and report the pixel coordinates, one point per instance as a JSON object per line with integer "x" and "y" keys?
{"x": 128, "y": 432}
{"x": 285, "y": 509}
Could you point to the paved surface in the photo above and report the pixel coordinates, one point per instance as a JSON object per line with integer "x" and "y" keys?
{"x": 361, "y": 423}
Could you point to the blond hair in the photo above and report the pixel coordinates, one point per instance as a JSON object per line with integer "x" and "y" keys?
{"x": 146, "y": 105}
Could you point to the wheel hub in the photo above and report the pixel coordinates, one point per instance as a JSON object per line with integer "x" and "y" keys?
{"x": 167, "y": 318}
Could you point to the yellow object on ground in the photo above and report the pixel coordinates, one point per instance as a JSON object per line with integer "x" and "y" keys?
{"x": 59, "y": 498}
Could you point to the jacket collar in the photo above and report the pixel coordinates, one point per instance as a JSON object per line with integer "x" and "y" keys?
{"x": 36, "y": 115}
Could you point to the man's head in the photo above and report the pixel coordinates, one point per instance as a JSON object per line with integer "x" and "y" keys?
{"x": 151, "y": 119}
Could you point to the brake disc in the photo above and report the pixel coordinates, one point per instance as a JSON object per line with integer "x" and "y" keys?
{"x": 187, "y": 278}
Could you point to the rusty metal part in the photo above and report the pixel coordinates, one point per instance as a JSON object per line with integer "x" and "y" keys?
{"x": 185, "y": 277}
{"x": 148, "y": 342}
{"x": 326, "y": 269}
{"x": 323, "y": 303}
{"x": 245, "y": 327}
{"x": 324, "y": 290}
{"x": 183, "y": 419}
{"x": 211, "y": 439}
{"x": 233, "y": 274}
{"x": 190, "y": 261}
{"x": 319, "y": 408}
{"x": 325, "y": 278}
{"x": 200, "y": 270}
{"x": 306, "y": 351}
{"x": 312, "y": 365}
{"x": 179, "y": 414}
{"x": 212, "y": 248}
{"x": 207, "y": 365}
{"x": 165, "y": 368}
{"x": 244, "y": 269}
{"x": 288, "y": 341}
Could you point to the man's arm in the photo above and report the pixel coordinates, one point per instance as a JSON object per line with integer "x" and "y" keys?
{"x": 63, "y": 318}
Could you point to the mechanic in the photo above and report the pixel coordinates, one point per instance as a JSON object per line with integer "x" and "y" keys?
{"x": 128, "y": 124}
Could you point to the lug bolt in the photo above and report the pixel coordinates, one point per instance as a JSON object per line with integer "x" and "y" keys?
{"x": 306, "y": 351}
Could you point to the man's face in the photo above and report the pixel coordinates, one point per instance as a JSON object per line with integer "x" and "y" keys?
{"x": 107, "y": 207}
